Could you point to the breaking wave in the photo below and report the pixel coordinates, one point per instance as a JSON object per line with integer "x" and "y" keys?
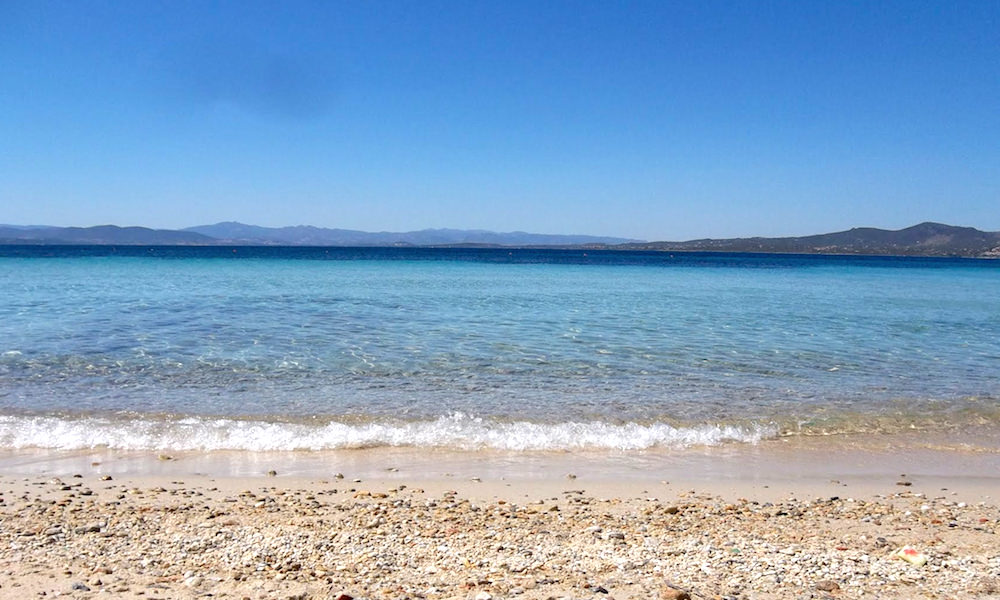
{"x": 455, "y": 431}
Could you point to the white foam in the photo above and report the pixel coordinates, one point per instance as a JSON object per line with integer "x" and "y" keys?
{"x": 457, "y": 431}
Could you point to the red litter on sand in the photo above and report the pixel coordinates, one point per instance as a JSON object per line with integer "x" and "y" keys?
{"x": 911, "y": 555}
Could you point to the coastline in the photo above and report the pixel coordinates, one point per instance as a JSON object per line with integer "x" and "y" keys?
{"x": 867, "y": 461}
{"x": 795, "y": 518}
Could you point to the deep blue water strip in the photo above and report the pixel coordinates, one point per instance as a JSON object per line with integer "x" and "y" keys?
{"x": 492, "y": 255}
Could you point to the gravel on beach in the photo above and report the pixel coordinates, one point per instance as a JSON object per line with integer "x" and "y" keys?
{"x": 88, "y": 537}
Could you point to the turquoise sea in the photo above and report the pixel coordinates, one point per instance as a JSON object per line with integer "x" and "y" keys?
{"x": 178, "y": 348}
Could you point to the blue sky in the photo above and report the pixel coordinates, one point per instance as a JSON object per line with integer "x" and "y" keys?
{"x": 653, "y": 120}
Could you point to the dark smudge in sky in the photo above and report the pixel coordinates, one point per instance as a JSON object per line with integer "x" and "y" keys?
{"x": 249, "y": 76}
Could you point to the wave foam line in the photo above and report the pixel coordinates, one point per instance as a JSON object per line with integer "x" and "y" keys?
{"x": 457, "y": 431}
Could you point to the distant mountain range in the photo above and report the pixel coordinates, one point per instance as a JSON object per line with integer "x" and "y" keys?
{"x": 101, "y": 235}
{"x": 925, "y": 239}
{"x": 231, "y": 233}
{"x": 304, "y": 235}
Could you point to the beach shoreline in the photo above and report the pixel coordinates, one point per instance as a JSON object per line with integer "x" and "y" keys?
{"x": 867, "y": 462}
{"x": 807, "y": 518}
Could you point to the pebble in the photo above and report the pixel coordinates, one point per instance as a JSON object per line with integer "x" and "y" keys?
{"x": 279, "y": 543}
{"x": 92, "y": 528}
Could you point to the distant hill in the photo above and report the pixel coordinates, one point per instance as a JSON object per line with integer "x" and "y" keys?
{"x": 100, "y": 235}
{"x": 925, "y": 239}
{"x": 304, "y": 235}
{"x": 232, "y": 233}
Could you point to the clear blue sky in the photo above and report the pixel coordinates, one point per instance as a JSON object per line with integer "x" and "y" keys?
{"x": 653, "y": 120}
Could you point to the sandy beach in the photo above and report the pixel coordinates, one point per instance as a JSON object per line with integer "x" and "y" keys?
{"x": 772, "y": 522}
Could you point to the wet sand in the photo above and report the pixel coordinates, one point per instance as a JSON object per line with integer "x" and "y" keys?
{"x": 969, "y": 464}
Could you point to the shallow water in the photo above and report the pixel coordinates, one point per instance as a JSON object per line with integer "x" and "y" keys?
{"x": 282, "y": 349}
